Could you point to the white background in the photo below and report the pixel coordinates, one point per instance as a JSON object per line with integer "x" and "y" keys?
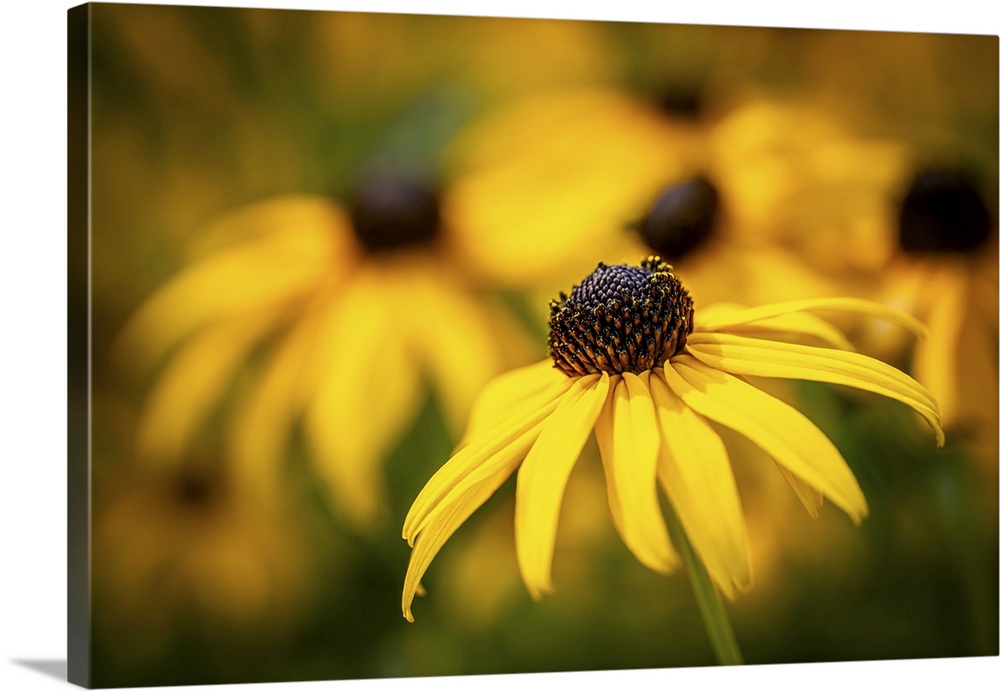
{"x": 33, "y": 335}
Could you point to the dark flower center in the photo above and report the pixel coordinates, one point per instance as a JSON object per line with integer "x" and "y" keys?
{"x": 681, "y": 100}
{"x": 620, "y": 318}
{"x": 943, "y": 212}
{"x": 681, "y": 219}
{"x": 393, "y": 211}
{"x": 193, "y": 490}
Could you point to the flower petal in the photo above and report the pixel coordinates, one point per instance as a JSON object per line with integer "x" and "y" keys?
{"x": 936, "y": 360}
{"x": 708, "y": 320}
{"x": 797, "y": 323}
{"x": 758, "y": 357}
{"x": 192, "y": 383}
{"x": 286, "y": 215}
{"x": 262, "y": 274}
{"x": 461, "y": 486}
{"x": 810, "y": 498}
{"x": 509, "y": 439}
{"x": 366, "y": 393}
{"x": 790, "y": 438}
{"x": 542, "y": 478}
{"x": 458, "y": 345}
{"x": 534, "y": 384}
{"x": 259, "y": 430}
{"x": 512, "y": 223}
{"x": 437, "y": 531}
{"x": 696, "y": 475}
{"x": 629, "y": 440}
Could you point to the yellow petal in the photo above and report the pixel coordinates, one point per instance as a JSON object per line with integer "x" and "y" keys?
{"x": 433, "y": 536}
{"x": 976, "y": 407}
{"x": 542, "y": 479}
{"x": 936, "y": 359}
{"x": 252, "y": 277}
{"x": 453, "y": 337}
{"x": 758, "y": 357}
{"x": 366, "y": 393}
{"x": 514, "y": 223}
{"x": 604, "y": 433}
{"x": 283, "y": 215}
{"x": 810, "y": 498}
{"x": 629, "y": 440}
{"x": 707, "y": 320}
{"x": 524, "y": 386}
{"x": 792, "y": 323}
{"x": 258, "y": 434}
{"x": 461, "y": 486}
{"x": 790, "y": 438}
{"x": 194, "y": 381}
{"x": 508, "y": 440}
{"x": 696, "y": 475}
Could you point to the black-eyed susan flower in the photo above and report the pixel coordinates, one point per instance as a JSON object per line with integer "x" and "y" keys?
{"x": 787, "y": 200}
{"x": 183, "y": 548}
{"x": 338, "y": 317}
{"x": 944, "y": 272}
{"x": 554, "y": 181}
{"x": 689, "y": 222}
{"x": 632, "y": 362}
{"x": 801, "y": 176}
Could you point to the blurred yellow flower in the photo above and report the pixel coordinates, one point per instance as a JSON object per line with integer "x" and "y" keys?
{"x": 688, "y": 223}
{"x": 629, "y": 362}
{"x": 348, "y": 309}
{"x": 945, "y": 273}
{"x": 795, "y": 174}
{"x": 188, "y": 546}
{"x": 553, "y": 178}
{"x": 558, "y": 179}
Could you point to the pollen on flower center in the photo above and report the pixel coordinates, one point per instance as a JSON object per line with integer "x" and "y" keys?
{"x": 391, "y": 211}
{"x": 620, "y": 318}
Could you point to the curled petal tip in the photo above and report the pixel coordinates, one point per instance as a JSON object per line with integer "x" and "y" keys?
{"x": 859, "y": 517}
{"x": 538, "y": 593}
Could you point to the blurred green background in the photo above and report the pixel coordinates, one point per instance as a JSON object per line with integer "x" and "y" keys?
{"x": 200, "y": 111}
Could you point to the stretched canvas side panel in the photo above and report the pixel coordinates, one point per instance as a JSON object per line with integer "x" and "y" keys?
{"x": 78, "y": 265}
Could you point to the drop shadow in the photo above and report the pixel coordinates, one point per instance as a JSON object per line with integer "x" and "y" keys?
{"x": 52, "y": 668}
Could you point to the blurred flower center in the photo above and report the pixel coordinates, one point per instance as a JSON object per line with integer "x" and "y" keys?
{"x": 391, "y": 211}
{"x": 943, "y": 212}
{"x": 194, "y": 491}
{"x": 620, "y": 318}
{"x": 682, "y": 218}
{"x": 681, "y": 100}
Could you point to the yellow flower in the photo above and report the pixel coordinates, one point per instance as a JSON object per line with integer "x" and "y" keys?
{"x": 186, "y": 545}
{"x": 795, "y": 174}
{"x": 944, "y": 272}
{"x": 347, "y": 309}
{"x": 630, "y": 361}
{"x": 554, "y": 181}
{"x": 691, "y": 223}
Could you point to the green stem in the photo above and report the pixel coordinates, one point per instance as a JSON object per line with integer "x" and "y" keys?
{"x": 710, "y": 604}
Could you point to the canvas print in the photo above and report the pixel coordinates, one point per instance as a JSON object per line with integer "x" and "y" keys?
{"x": 417, "y": 346}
